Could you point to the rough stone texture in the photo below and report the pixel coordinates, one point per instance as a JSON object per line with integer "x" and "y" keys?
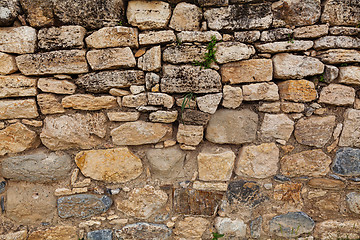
{"x": 207, "y": 3}
{"x": 273, "y": 107}
{"x": 276, "y": 126}
{"x": 144, "y": 230}
{"x": 313, "y": 163}
{"x": 227, "y": 226}
{"x": 330, "y": 73}
{"x": 244, "y": 193}
{"x": 65, "y": 37}
{"x": 39, "y": 13}
{"x": 330, "y": 229}
{"x": 83, "y": 205}
{"x": 288, "y": 192}
{"x": 184, "y": 54}
{"x": 194, "y": 117}
{"x": 163, "y": 116}
{"x": 209, "y": 102}
{"x": 17, "y": 86}
{"x": 314, "y": 131}
{"x": 261, "y": 91}
{"x": 10, "y": 10}
{"x": 113, "y": 37}
{"x": 257, "y": 161}
{"x": 341, "y": 12}
{"x": 26, "y": 209}
{"x": 347, "y": 162}
{"x": 198, "y": 36}
{"x": 253, "y": 70}
{"x": 190, "y": 134}
{"x": 56, "y": 86}
{"x": 297, "y": 90}
{"x": 294, "y": 46}
{"x": 289, "y": 66}
{"x": 349, "y": 75}
{"x": 353, "y": 201}
{"x": 326, "y": 183}
{"x": 233, "y": 127}
{"x": 151, "y": 60}
{"x": 232, "y": 51}
{"x": 192, "y": 20}
{"x": 338, "y": 30}
{"x": 101, "y": 82}
{"x": 49, "y": 104}
{"x": 10, "y": 109}
{"x": 89, "y": 102}
{"x": 232, "y": 97}
{"x": 157, "y": 37}
{"x": 235, "y": 17}
{"x": 284, "y": 225}
{"x": 18, "y": 40}
{"x": 186, "y": 78}
{"x": 103, "y": 234}
{"x": 111, "y": 58}
{"x": 191, "y": 227}
{"x": 55, "y": 233}
{"x": 116, "y": 165}
{"x": 139, "y": 132}
{"x": 247, "y": 36}
{"x": 73, "y": 131}
{"x": 123, "y": 116}
{"x": 19, "y": 235}
{"x": 296, "y": 13}
{"x": 7, "y": 64}
{"x": 56, "y": 62}
{"x": 40, "y": 166}
{"x": 337, "y": 94}
{"x": 210, "y": 186}
{"x": 17, "y": 138}
{"x": 142, "y": 202}
{"x": 314, "y": 31}
{"x": 134, "y": 101}
{"x": 350, "y": 133}
{"x": 215, "y": 164}
{"x": 328, "y": 42}
{"x": 275, "y": 34}
{"x": 159, "y": 99}
{"x": 338, "y": 56}
{"x": 290, "y": 107}
{"x": 148, "y": 15}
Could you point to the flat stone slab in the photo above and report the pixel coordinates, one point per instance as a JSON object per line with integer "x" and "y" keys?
{"x": 10, "y": 109}
{"x": 143, "y": 230}
{"x": 17, "y": 86}
{"x": 347, "y": 162}
{"x": 18, "y": 40}
{"x": 351, "y": 133}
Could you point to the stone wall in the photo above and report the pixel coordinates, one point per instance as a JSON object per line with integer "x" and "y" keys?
{"x": 109, "y": 130}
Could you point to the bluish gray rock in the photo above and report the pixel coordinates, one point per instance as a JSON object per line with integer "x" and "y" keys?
{"x": 103, "y": 234}
{"x": 144, "y": 231}
{"x": 347, "y": 162}
{"x": 255, "y": 227}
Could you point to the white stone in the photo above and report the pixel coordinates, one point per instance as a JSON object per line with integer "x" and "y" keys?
{"x": 157, "y": 37}
{"x": 209, "y": 103}
{"x": 232, "y": 97}
{"x": 191, "y": 22}
{"x": 151, "y": 60}
{"x": 232, "y": 51}
{"x": 276, "y": 126}
{"x": 261, "y": 91}
{"x": 231, "y": 227}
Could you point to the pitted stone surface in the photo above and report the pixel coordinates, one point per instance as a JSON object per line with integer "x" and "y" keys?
{"x": 341, "y": 12}
{"x": 232, "y": 51}
{"x": 17, "y": 86}
{"x": 189, "y": 23}
{"x": 143, "y": 230}
{"x": 111, "y": 58}
{"x": 347, "y": 162}
{"x": 10, "y": 10}
{"x": 55, "y": 233}
{"x": 18, "y": 40}
{"x": 350, "y": 134}
{"x": 297, "y": 90}
{"x": 113, "y": 37}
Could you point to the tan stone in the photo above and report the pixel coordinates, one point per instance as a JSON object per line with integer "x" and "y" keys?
{"x": 163, "y": 116}
{"x": 118, "y": 165}
{"x": 273, "y": 107}
{"x": 56, "y": 86}
{"x": 337, "y": 229}
{"x": 157, "y": 37}
{"x": 247, "y": 36}
{"x": 198, "y": 36}
{"x": 190, "y": 134}
{"x": 7, "y": 64}
{"x": 314, "y": 31}
{"x": 297, "y": 90}
{"x": 10, "y": 109}
{"x": 350, "y": 134}
{"x": 326, "y": 183}
{"x": 17, "y": 86}
{"x": 290, "y": 107}
{"x": 286, "y": 46}
{"x": 33, "y": 123}
{"x": 313, "y": 163}
{"x": 55, "y": 233}
{"x": 189, "y": 23}
{"x": 337, "y": 94}
{"x": 191, "y": 228}
{"x": 151, "y": 60}
{"x": 331, "y": 42}
{"x": 210, "y": 186}
{"x": 276, "y": 126}
{"x": 349, "y": 75}
{"x": 123, "y": 116}
{"x": 288, "y": 192}
{"x": 19, "y": 235}
{"x": 261, "y": 91}
{"x": 184, "y": 54}
{"x": 119, "y": 92}
{"x": 89, "y": 102}
{"x": 209, "y": 103}
{"x": 258, "y": 161}
{"x": 111, "y": 58}
{"x": 137, "y": 89}
{"x": 160, "y": 99}
{"x": 338, "y": 56}
{"x": 134, "y": 101}
{"x": 340, "y": 13}
{"x": 232, "y": 51}
{"x": 49, "y": 104}
{"x": 18, "y": 40}
{"x": 232, "y": 96}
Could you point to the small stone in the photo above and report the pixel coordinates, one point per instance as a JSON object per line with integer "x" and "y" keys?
{"x": 157, "y": 37}
{"x": 187, "y": 147}
{"x": 350, "y": 133}
{"x": 89, "y": 102}
{"x": 209, "y": 102}
{"x": 10, "y": 109}
{"x": 137, "y": 89}
{"x": 33, "y": 123}
{"x": 208, "y": 3}
{"x": 56, "y": 86}
{"x": 346, "y": 162}
{"x": 349, "y": 75}
{"x": 49, "y": 104}
{"x": 276, "y": 126}
{"x": 140, "y": 52}
{"x": 275, "y": 34}
{"x": 255, "y": 227}
{"x": 151, "y": 60}
{"x": 330, "y": 42}
{"x": 338, "y": 56}
{"x": 288, "y": 192}
{"x": 297, "y": 90}
{"x": 82, "y": 184}
{"x": 89, "y": 223}
{"x": 313, "y": 31}
{"x": 17, "y": 86}
{"x": 169, "y": 143}
{"x": 194, "y": 117}
{"x": 260, "y": 91}
{"x": 18, "y": 40}
{"x": 198, "y": 36}
{"x": 337, "y": 94}
{"x": 247, "y": 36}
{"x": 113, "y": 37}
{"x": 160, "y": 99}
{"x": 353, "y": 201}
{"x": 134, "y": 101}
{"x": 119, "y": 92}
{"x": 190, "y": 134}
{"x": 232, "y": 51}
{"x": 191, "y": 227}
{"x": 335, "y": 13}
{"x": 209, "y": 186}
{"x": 232, "y": 97}
{"x": 103, "y": 234}
{"x": 152, "y": 80}
{"x": 273, "y": 107}
{"x": 184, "y": 54}
{"x": 74, "y": 176}
{"x": 290, "y": 107}
{"x": 123, "y": 116}
{"x": 287, "y": 148}
{"x": 192, "y": 21}
{"x": 292, "y": 46}
{"x": 330, "y": 73}
{"x": 58, "y": 232}
{"x": 8, "y": 64}
{"x": 144, "y": 230}
{"x": 111, "y": 58}
{"x": 227, "y": 226}
{"x": 163, "y": 116}
{"x": 326, "y": 183}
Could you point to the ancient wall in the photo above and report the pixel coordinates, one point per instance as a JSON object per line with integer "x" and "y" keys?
{"x": 117, "y": 123}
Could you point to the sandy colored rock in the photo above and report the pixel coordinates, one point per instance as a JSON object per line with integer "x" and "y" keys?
{"x": 330, "y": 229}
{"x": 134, "y": 101}
{"x": 163, "y": 116}
{"x": 276, "y": 34}
{"x": 10, "y": 109}
{"x": 144, "y": 230}
{"x": 56, "y": 62}
{"x": 151, "y": 60}
{"x": 7, "y": 64}
{"x": 123, "y": 116}
{"x": 119, "y": 92}
{"x": 247, "y": 36}
{"x": 209, "y": 103}
{"x": 89, "y": 102}
{"x": 290, "y": 107}
{"x": 139, "y": 133}
{"x": 39, "y": 13}
{"x": 313, "y": 31}
{"x": 118, "y": 165}
{"x": 157, "y": 37}
{"x": 232, "y": 96}
{"x": 111, "y": 58}
{"x": 261, "y": 91}
{"x": 288, "y": 192}
{"x": 56, "y": 86}
{"x": 338, "y": 56}
{"x": 192, "y": 20}
{"x": 19, "y": 235}
{"x": 190, "y": 134}
{"x": 276, "y": 126}
{"x": 313, "y": 163}
{"x": 184, "y": 54}
{"x": 191, "y": 227}
{"x": 232, "y": 51}
{"x": 326, "y": 183}
{"x": 18, "y": 40}
{"x": 17, "y": 86}
{"x": 297, "y": 90}
{"x": 55, "y": 233}
{"x": 346, "y": 31}
{"x": 349, "y": 75}
{"x": 210, "y": 186}
{"x": 330, "y": 42}
{"x": 198, "y": 36}
{"x": 257, "y": 161}
{"x": 341, "y": 12}
{"x": 337, "y": 94}
{"x": 286, "y": 46}
{"x": 350, "y": 133}
{"x": 273, "y": 107}
{"x": 49, "y": 104}
{"x": 148, "y": 15}
{"x": 10, "y": 10}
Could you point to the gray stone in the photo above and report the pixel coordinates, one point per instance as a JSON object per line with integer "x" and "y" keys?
{"x": 338, "y": 56}
{"x": 341, "y": 12}
{"x": 103, "y": 234}
{"x": 102, "y": 82}
{"x": 328, "y": 42}
{"x": 343, "y": 31}
{"x": 9, "y": 11}
{"x": 198, "y": 36}
{"x": 151, "y": 60}
{"x": 189, "y": 23}
{"x": 350, "y": 134}
{"x": 157, "y": 37}
{"x": 261, "y": 91}
{"x": 247, "y": 36}
{"x": 313, "y": 31}
{"x": 330, "y": 73}
{"x": 17, "y": 86}
{"x": 233, "y": 127}
{"x": 255, "y": 227}
{"x": 353, "y": 201}
{"x": 229, "y": 227}
{"x": 276, "y": 126}
{"x": 194, "y": 117}
{"x": 184, "y": 54}
{"x": 142, "y": 230}
{"x": 349, "y": 75}
{"x": 111, "y": 58}
{"x": 10, "y": 109}
{"x": 244, "y": 193}
{"x": 337, "y": 94}
{"x": 232, "y": 51}
{"x": 276, "y": 34}
{"x": 151, "y": 80}
{"x": 292, "y": 224}
{"x": 83, "y": 205}
{"x": 347, "y": 162}
{"x": 18, "y": 40}
{"x": 209, "y": 103}
{"x": 235, "y": 17}
{"x": 187, "y": 78}
{"x": 40, "y": 166}
{"x": 287, "y": 46}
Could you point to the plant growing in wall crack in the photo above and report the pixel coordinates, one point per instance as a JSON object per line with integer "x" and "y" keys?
{"x": 216, "y": 235}
{"x": 186, "y": 103}
{"x": 209, "y": 56}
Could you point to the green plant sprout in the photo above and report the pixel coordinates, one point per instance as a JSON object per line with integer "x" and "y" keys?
{"x": 321, "y": 78}
{"x": 186, "y": 103}
{"x": 291, "y": 38}
{"x": 216, "y": 235}
{"x": 209, "y": 56}
{"x": 178, "y": 41}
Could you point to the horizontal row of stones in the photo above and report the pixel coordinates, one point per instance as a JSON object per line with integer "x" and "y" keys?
{"x": 158, "y": 14}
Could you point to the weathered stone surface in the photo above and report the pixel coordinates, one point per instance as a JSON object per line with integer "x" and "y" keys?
{"x": 215, "y": 164}
{"x": 10, "y": 109}
{"x": 258, "y": 161}
{"x": 88, "y": 102}
{"x": 276, "y": 126}
{"x": 10, "y": 10}
{"x": 292, "y": 224}
{"x": 330, "y": 73}
{"x": 17, "y": 138}
{"x": 73, "y": 131}
{"x": 337, "y": 94}
{"x": 353, "y": 201}
{"x": 210, "y": 186}
{"x": 116, "y": 165}
{"x": 313, "y": 163}
{"x": 286, "y": 46}
{"x": 17, "y": 86}
{"x": 338, "y": 56}
{"x": 144, "y": 230}
{"x": 56, "y": 86}
{"x": 151, "y": 60}
{"x": 65, "y": 37}
{"x": 159, "y": 99}
{"x": 229, "y": 227}
{"x": 18, "y": 40}
{"x": 247, "y": 36}
{"x": 314, "y": 131}
{"x": 198, "y": 36}
{"x": 191, "y": 228}
{"x": 349, "y": 75}
{"x": 253, "y": 70}
{"x": 296, "y": 13}
{"x": 261, "y": 91}
{"x": 163, "y": 116}
{"x": 244, "y": 193}
{"x": 190, "y": 134}
{"x": 102, "y": 82}
{"x": 123, "y": 116}
{"x": 56, "y": 62}
{"x": 232, "y": 97}
{"x": 40, "y": 166}
{"x": 232, "y": 51}
{"x": 297, "y": 90}
{"x": 313, "y": 31}
{"x": 194, "y": 117}
{"x": 288, "y": 192}
{"x": 39, "y": 13}
{"x": 49, "y": 104}
{"x": 7, "y": 64}
{"x": 134, "y": 101}
{"x": 207, "y": 3}
{"x": 341, "y": 12}
{"x": 244, "y": 16}
{"x": 347, "y": 162}
{"x": 273, "y": 107}
{"x": 192, "y": 21}
{"x": 338, "y": 30}
{"x": 289, "y": 66}
{"x": 148, "y": 14}
{"x": 186, "y": 78}
{"x": 103, "y": 234}
{"x": 55, "y": 233}
{"x": 19, "y": 235}
{"x": 119, "y": 92}
{"x": 233, "y": 127}
{"x": 328, "y": 42}
{"x": 275, "y": 34}
{"x": 113, "y": 37}
{"x": 83, "y": 205}
{"x": 139, "y": 132}
{"x": 157, "y": 37}
{"x": 350, "y": 133}
{"x": 326, "y": 183}
{"x": 111, "y": 58}
{"x": 330, "y": 229}
{"x": 142, "y": 202}
{"x": 290, "y": 107}
{"x": 184, "y": 54}
{"x": 209, "y": 102}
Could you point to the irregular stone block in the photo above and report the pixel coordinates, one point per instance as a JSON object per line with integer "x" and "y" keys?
{"x": 58, "y": 232}
{"x": 163, "y": 116}
{"x": 191, "y": 227}
{"x": 123, "y": 116}
{"x": 232, "y": 51}
{"x": 83, "y": 205}
{"x": 261, "y": 91}
{"x": 193, "y": 17}
{"x": 349, "y": 75}
{"x": 273, "y": 107}
{"x": 18, "y": 40}
{"x": 288, "y": 192}
{"x": 17, "y": 86}
{"x": 111, "y": 58}
{"x": 198, "y": 36}
{"x": 49, "y": 104}
{"x": 190, "y": 134}
{"x": 276, "y": 126}
{"x": 353, "y": 201}
{"x": 330, "y": 229}
{"x": 144, "y": 230}
{"x": 7, "y": 64}
{"x": 247, "y": 193}
{"x": 341, "y": 12}
{"x": 313, "y": 31}
{"x": 89, "y": 102}
{"x": 19, "y": 235}
{"x": 338, "y": 56}
{"x": 275, "y": 34}
{"x": 337, "y": 94}
{"x": 297, "y": 90}
{"x": 134, "y": 101}
{"x": 350, "y": 133}
{"x": 194, "y": 117}
{"x": 338, "y": 30}
{"x": 247, "y": 36}
{"x": 232, "y": 97}
{"x": 208, "y": 3}
{"x": 103, "y": 234}
{"x": 56, "y": 86}
{"x": 11, "y": 10}
{"x": 326, "y": 183}
{"x": 290, "y": 107}
{"x": 292, "y": 46}
{"x": 209, "y": 102}
{"x": 157, "y": 37}
{"x": 210, "y": 186}
{"x": 39, "y": 13}
{"x": 56, "y": 62}
{"x": 151, "y": 60}
{"x": 227, "y": 226}
{"x": 184, "y": 54}
{"x": 10, "y": 109}
{"x": 328, "y": 42}
{"x": 347, "y": 162}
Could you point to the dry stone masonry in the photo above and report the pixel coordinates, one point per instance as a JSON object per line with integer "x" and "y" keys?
{"x": 176, "y": 119}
